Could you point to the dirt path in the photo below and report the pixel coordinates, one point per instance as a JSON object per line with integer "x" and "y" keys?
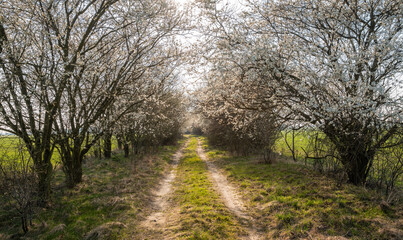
{"x": 229, "y": 195}
{"x": 158, "y": 221}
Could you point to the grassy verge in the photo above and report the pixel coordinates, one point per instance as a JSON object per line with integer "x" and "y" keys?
{"x": 112, "y": 197}
{"x": 385, "y": 161}
{"x": 291, "y": 201}
{"x": 202, "y": 214}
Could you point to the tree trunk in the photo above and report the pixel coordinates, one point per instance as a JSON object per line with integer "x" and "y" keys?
{"x": 268, "y": 155}
{"x": 44, "y": 171}
{"x": 120, "y": 143}
{"x": 74, "y": 175}
{"x": 44, "y": 179}
{"x": 97, "y": 151}
{"x": 72, "y": 159}
{"x": 126, "y": 149}
{"x": 73, "y": 169}
{"x": 135, "y": 147}
{"x": 108, "y": 145}
{"x": 24, "y": 223}
{"x": 356, "y": 164}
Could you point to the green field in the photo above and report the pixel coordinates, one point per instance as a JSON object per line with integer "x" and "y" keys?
{"x": 301, "y": 141}
{"x": 12, "y": 150}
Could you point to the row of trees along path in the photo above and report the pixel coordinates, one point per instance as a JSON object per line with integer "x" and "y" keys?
{"x": 162, "y": 219}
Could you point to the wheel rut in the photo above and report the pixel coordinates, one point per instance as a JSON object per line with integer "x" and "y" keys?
{"x": 229, "y": 195}
{"x": 158, "y": 219}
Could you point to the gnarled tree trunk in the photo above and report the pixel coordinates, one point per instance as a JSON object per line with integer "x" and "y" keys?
{"x": 356, "y": 162}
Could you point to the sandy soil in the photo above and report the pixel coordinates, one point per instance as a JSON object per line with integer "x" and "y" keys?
{"x": 161, "y": 218}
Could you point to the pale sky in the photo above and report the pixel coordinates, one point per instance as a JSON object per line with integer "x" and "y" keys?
{"x": 191, "y": 81}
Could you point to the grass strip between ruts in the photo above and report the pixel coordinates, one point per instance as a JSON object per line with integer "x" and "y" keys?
{"x": 203, "y": 215}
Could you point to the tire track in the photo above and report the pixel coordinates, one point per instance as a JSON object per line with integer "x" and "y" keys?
{"x": 229, "y": 195}
{"x": 157, "y": 221}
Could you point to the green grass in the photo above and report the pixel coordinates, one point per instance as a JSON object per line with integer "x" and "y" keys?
{"x": 114, "y": 191}
{"x": 301, "y": 141}
{"x": 384, "y": 160}
{"x": 286, "y": 200}
{"x": 10, "y": 150}
{"x": 292, "y": 201}
{"x": 202, "y": 213}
